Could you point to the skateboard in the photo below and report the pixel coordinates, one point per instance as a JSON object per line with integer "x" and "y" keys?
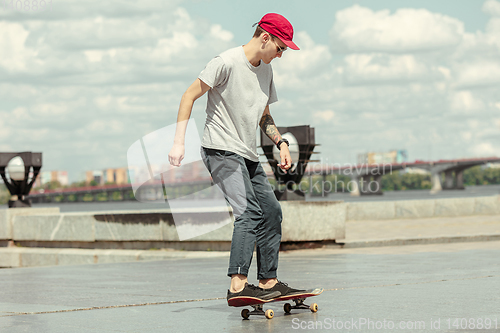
{"x": 258, "y": 304}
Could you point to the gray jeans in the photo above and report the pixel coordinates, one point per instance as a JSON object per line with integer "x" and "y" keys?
{"x": 256, "y": 210}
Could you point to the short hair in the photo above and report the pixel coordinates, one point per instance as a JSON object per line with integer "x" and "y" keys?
{"x": 259, "y": 31}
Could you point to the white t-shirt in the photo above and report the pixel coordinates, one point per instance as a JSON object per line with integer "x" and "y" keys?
{"x": 240, "y": 92}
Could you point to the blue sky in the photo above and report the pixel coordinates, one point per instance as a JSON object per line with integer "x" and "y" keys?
{"x": 316, "y": 16}
{"x": 84, "y": 82}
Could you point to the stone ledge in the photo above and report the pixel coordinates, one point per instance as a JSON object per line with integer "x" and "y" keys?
{"x": 30, "y": 257}
{"x": 302, "y": 221}
{"x": 7, "y": 216}
{"x": 383, "y": 210}
{"x": 418, "y": 241}
{"x": 387, "y": 210}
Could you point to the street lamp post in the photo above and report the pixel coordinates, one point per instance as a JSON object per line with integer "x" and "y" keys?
{"x": 302, "y": 143}
{"x": 18, "y": 182}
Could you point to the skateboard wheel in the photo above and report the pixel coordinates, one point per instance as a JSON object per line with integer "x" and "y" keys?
{"x": 287, "y": 307}
{"x": 314, "y": 307}
{"x": 244, "y": 313}
{"x": 269, "y": 314}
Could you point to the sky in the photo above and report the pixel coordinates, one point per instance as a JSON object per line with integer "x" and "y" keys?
{"x": 84, "y": 80}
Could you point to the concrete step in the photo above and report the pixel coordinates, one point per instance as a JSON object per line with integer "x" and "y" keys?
{"x": 419, "y": 241}
{"x": 30, "y": 257}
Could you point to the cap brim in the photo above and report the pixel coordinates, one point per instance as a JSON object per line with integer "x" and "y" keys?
{"x": 290, "y": 44}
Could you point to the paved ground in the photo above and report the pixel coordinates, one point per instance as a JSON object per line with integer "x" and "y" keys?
{"x": 417, "y": 285}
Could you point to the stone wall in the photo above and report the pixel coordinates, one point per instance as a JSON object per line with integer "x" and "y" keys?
{"x": 386, "y": 210}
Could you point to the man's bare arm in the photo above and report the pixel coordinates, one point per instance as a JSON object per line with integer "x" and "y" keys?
{"x": 195, "y": 91}
{"x": 268, "y": 127}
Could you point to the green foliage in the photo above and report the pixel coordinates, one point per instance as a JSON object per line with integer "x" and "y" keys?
{"x": 397, "y": 181}
{"x": 407, "y": 181}
{"x": 116, "y": 196}
{"x": 4, "y": 194}
{"x": 83, "y": 183}
{"x": 101, "y": 197}
{"x": 479, "y": 176}
{"x": 88, "y": 197}
{"x": 52, "y": 185}
{"x": 492, "y": 176}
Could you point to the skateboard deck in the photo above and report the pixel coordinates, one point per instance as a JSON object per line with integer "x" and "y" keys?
{"x": 257, "y": 303}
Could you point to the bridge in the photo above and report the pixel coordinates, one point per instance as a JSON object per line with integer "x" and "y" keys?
{"x": 366, "y": 178}
{"x": 151, "y": 191}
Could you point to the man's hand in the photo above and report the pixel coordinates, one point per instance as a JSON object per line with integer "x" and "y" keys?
{"x": 286, "y": 159}
{"x": 176, "y": 155}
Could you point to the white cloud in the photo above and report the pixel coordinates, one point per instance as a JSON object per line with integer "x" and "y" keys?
{"x": 466, "y": 102}
{"x": 76, "y": 81}
{"x": 84, "y": 83}
{"x": 491, "y": 7}
{"x": 52, "y": 109}
{"x": 108, "y": 50}
{"x": 477, "y": 73}
{"x": 20, "y": 113}
{"x": 5, "y": 131}
{"x": 111, "y": 126}
{"x": 216, "y": 31}
{"x": 100, "y": 33}
{"x": 326, "y": 115}
{"x": 376, "y": 68}
{"x": 76, "y": 9}
{"x": 294, "y": 67}
{"x": 14, "y": 55}
{"x": 359, "y": 29}
{"x": 485, "y": 149}
{"x": 466, "y": 136}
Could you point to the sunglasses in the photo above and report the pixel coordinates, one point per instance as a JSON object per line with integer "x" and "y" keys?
{"x": 279, "y": 49}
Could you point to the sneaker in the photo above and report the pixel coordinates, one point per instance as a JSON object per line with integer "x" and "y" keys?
{"x": 284, "y": 289}
{"x": 253, "y": 291}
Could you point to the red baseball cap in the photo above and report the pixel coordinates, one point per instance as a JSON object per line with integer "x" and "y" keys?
{"x": 278, "y": 26}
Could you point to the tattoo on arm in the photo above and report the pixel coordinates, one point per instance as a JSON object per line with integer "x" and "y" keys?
{"x": 267, "y": 125}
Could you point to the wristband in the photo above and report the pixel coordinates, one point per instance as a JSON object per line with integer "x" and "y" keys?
{"x": 281, "y": 141}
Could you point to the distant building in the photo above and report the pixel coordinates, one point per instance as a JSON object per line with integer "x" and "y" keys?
{"x": 191, "y": 172}
{"x": 101, "y": 177}
{"x": 45, "y": 177}
{"x": 117, "y": 176}
{"x": 195, "y": 171}
{"x": 391, "y": 157}
{"x": 96, "y": 176}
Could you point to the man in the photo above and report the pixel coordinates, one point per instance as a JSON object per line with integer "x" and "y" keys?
{"x": 240, "y": 89}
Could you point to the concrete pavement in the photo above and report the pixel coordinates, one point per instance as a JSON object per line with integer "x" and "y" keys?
{"x": 416, "y": 286}
{"x": 441, "y": 280}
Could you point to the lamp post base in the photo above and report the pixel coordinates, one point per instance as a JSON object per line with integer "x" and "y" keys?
{"x": 19, "y": 203}
{"x": 287, "y": 195}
